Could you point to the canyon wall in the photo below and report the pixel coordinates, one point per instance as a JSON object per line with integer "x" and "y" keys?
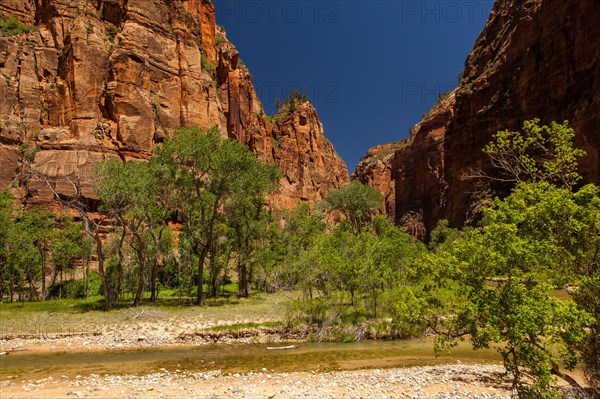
{"x": 95, "y": 79}
{"x": 534, "y": 59}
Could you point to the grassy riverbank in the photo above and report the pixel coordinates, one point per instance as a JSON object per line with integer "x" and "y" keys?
{"x": 70, "y": 321}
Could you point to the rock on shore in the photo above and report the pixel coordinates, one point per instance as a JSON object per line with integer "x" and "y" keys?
{"x": 432, "y": 382}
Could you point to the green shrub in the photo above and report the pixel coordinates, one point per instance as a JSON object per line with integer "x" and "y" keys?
{"x": 10, "y": 26}
{"x": 75, "y": 289}
{"x": 28, "y": 151}
{"x": 246, "y": 326}
{"x": 111, "y": 32}
{"x": 219, "y": 39}
{"x": 207, "y": 65}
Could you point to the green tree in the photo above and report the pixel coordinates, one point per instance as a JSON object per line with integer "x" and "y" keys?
{"x": 27, "y": 239}
{"x": 134, "y": 196}
{"x": 68, "y": 245}
{"x": 220, "y": 257}
{"x": 78, "y": 202}
{"x": 588, "y": 298}
{"x": 538, "y": 238}
{"x": 358, "y": 203}
{"x": 6, "y": 207}
{"x": 209, "y": 172}
{"x": 23, "y": 262}
{"x": 298, "y": 230}
{"x": 245, "y": 215}
{"x": 538, "y": 153}
{"x": 530, "y": 243}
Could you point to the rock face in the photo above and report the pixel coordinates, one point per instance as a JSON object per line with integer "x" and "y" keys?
{"x": 413, "y": 171}
{"x": 113, "y": 78}
{"x": 300, "y": 147}
{"x": 534, "y": 59}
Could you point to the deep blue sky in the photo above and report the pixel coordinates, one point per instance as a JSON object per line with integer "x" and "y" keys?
{"x": 371, "y": 68}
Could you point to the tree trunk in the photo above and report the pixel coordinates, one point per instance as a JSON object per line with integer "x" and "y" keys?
{"x": 43, "y": 276}
{"x": 155, "y": 262}
{"x": 119, "y": 293}
{"x": 140, "y": 287}
{"x": 201, "y": 259}
{"x": 86, "y": 274}
{"x": 53, "y": 282}
{"x": 32, "y": 290}
{"x": 153, "y": 293}
{"x": 214, "y": 275}
{"x": 105, "y": 288}
{"x": 243, "y": 283}
{"x": 139, "y": 252}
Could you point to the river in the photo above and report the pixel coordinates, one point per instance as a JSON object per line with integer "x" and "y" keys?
{"x": 237, "y": 358}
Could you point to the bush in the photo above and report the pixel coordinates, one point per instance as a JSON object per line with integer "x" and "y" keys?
{"x": 75, "y": 289}
{"x": 207, "y": 65}
{"x": 220, "y": 39}
{"x": 10, "y": 26}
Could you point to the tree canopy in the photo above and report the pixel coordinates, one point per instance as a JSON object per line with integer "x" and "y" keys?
{"x": 358, "y": 203}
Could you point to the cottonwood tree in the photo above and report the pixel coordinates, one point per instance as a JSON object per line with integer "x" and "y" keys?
{"x": 209, "y": 172}
{"x": 531, "y": 243}
{"x": 286, "y": 244}
{"x": 536, "y": 153}
{"x": 6, "y": 207}
{"x": 133, "y": 195}
{"x": 72, "y": 196}
{"x": 67, "y": 246}
{"x": 539, "y": 238}
{"x": 247, "y": 217}
{"x": 358, "y": 203}
{"x": 23, "y": 256}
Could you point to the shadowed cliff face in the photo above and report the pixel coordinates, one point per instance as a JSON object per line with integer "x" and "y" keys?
{"x": 113, "y": 78}
{"x": 534, "y": 59}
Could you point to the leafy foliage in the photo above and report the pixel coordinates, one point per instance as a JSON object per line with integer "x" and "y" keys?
{"x": 207, "y": 65}
{"x": 529, "y": 244}
{"x": 357, "y": 202}
{"x": 10, "y": 26}
{"x": 538, "y": 153}
{"x": 349, "y": 273}
{"x": 208, "y": 174}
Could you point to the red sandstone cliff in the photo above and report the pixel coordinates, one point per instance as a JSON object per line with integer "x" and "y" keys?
{"x": 535, "y": 58}
{"x": 113, "y": 78}
{"x": 299, "y": 147}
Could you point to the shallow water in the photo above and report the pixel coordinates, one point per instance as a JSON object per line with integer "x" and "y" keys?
{"x": 238, "y": 358}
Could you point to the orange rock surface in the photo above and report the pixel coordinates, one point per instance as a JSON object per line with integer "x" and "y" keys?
{"x": 91, "y": 83}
